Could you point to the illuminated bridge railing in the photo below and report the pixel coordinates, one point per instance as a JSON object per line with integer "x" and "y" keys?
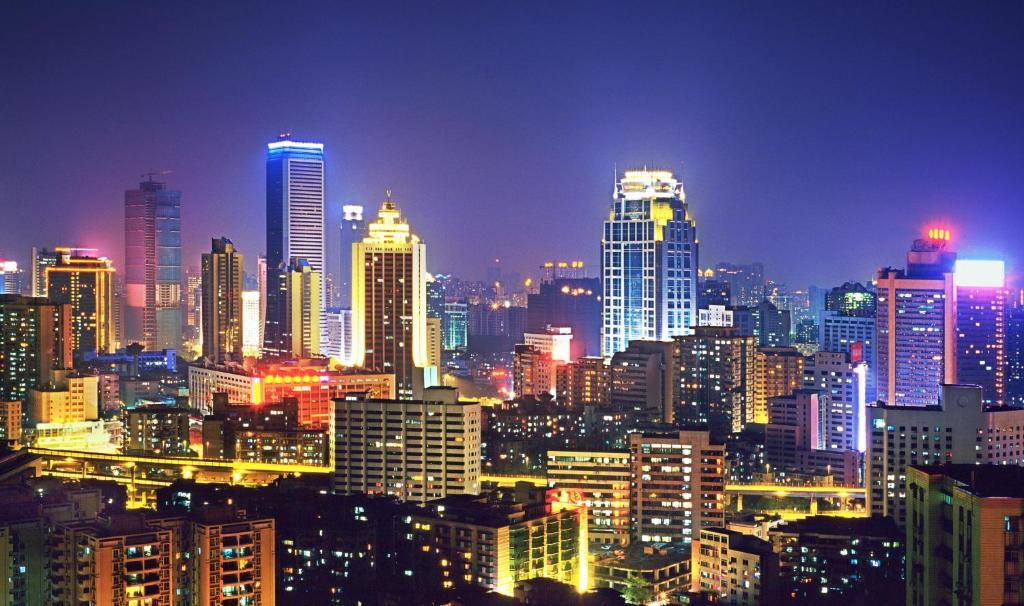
{"x": 182, "y": 462}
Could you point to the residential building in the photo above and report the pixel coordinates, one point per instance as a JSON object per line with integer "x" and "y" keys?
{"x": 264, "y": 433}
{"x": 66, "y": 397}
{"x": 736, "y": 568}
{"x": 86, "y": 284}
{"x": 583, "y": 382}
{"x": 222, "y": 302}
{"x": 981, "y": 327}
{"x": 157, "y": 430}
{"x": 642, "y": 376}
{"x": 600, "y": 482}
{"x": 35, "y": 340}
{"x": 778, "y": 371}
{"x": 665, "y": 567}
{"x": 717, "y": 380}
{"x": 746, "y": 282}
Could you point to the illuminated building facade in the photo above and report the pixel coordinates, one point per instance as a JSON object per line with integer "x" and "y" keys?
{"x": 389, "y": 299}
{"x": 665, "y": 567}
{"x": 964, "y": 544}
{"x": 842, "y": 399}
{"x": 1015, "y": 355}
{"x": 86, "y": 284}
{"x": 10, "y": 422}
{"x": 778, "y": 371}
{"x": 264, "y": 433}
{"x": 434, "y": 340}
{"x": 677, "y": 485}
{"x": 642, "y": 377}
{"x": 35, "y": 340}
{"x": 339, "y": 335}
{"x": 455, "y": 325}
{"x": 557, "y": 270}
{"x": 533, "y": 371}
{"x": 41, "y": 259}
{"x": 10, "y": 278}
{"x": 157, "y": 430}
{"x": 251, "y": 325}
{"x": 573, "y": 303}
{"x": 583, "y": 382}
{"x": 494, "y": 541}
{"x": 412, "y": 450}
{"x": 66, "y": 397}
{"x": 852, "y": 299}
{"x": 599, "y": 481}
{"x": 351, "y": 232}
{"x": 301, "y": 319}
{"x": 648, "y": 262}
{"x": 981, "y": 327}
{"x": 717, "y": 379}
{"x": 915, "y": 322}
{"x": 295, "y": 229}
{"x": 736, "y": 568}
{"x": 311, "y": 382}
{"x": 956, "y": 429}
{"x": 152, "y": 256}
{"x": 222, "y": 302}
{"x": 854, "y": 336}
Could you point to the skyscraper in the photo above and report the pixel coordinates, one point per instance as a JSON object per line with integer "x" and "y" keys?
{"x": 1015, "y": 355}
{"x": 916, "y": 318}
{"x": 981, "y": 327}
{"x": 10, "y": 278}
{"x": 572, "y": 302}
{"x": 302, "y": 314}
{"x": 648, "y": 261}
{"x": 746, "y": 282}
{"x": 41, "y": 259}
{"x": 351, "y": 232}
{"x": 295, "y": 227}
{"x": 222, "y": 302}
{"x": 86, "y": 284}
{"x": 152, "y": 256}
{"x": 251, "y": 323}
{"x": 389, "y": 299}
{"x": 847, "y": 325}
{"x": 35, "y": 340}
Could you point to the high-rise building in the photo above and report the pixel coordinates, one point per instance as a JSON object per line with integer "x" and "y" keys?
{"x": 713, "y": 292}
{"x": 533, "y": 371}
{"x": 717, "y": 378}
{"x": 1015, "y": 355}
{"x": 854, "y": 336}
{"x": 261, "y": 285}
{"x": 300, "y": 322}
{"x": 574, "y": 303}
{"x": 648, "y": 262}
{"x": 852, "y": 299}
{"x": 642, "y": 377}
{"x": 157, "y": 430}
{"x": 965, "y": 537}
{"x": 41, "y": 259}
{"x": 295, "y": 229}
{"x": 736, "y": 568}
{"x": 389, "y": 299}
{"x": 339, "y": 335}
{"x": 677, "y": 487}
{"x": 599, "y": 481}
{"x": 35, "y": 340}
{"x": 10, "y": 278}
{"x": 556, "y": 270}
{"x": 455, "y": 325}
{"x": 916, "y": 319}
{"x": 413, "y": 450}
{"x": 956, "y": 429}
{"x": 222, "y": 302}
{"x": 86, "y": 284}
{"x": 583, "y": 382}
{"x": 746, "y": 282}
{"x": 773, "y": 325}
{"x": 267, "y": 433}
{"x": 840, "y": 383}
{"x": 251, "y": 325}
{"x": 65, "y": 397}
{"x": 152, "y": 256}
{"x": 777, "y": 372}
{"x": 981, "y": 327}
{"x": 193, "y": 298}
{"x": 351, "y": 232}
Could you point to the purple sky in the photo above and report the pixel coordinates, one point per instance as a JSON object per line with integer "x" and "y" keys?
{"x": 818, "y": 138}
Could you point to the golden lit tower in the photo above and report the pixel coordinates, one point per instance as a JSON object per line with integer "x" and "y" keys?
{"x": 85, "y": 283}
{"x": 389, "y": 298}
{"x": 222, "y": 302}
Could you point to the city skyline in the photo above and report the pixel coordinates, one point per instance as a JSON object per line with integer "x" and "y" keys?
{"x": 750, "y": 146}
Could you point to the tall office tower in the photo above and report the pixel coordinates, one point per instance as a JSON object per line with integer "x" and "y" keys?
{"x": 41, "y": 259}
{"x": 389, "y": 298}
{"x": 583, "y": 382}
{"x": 677, "y": 485}
{"x": 599, "y": 480}
{"x": 351, "y": 232}
{"x": 35, "y": 340}
{"x": 717, "y": 378}
{"x": 10, "y": 278}
{"x": 981, "y": 327}
{"x": 193, "y": 298}
{"x": 1015, "y": 355}
{"x": 261, "y": 285}
{"x": 642, "y": 377}
{"x": 301, "y": 318}
{"x": 222, "y": 302}
{"x": 339, "y": 335}
{"x": 251, "y": 343}
{"x": 847, "y": 325}
{"x": 648, "y": 262}
{"x": 773, "y": 325}
{"x": 295, "y": 228}
{"x": 955, "y": 429}
{"x": 575, "y": 303}
{"x": 916, "y": 324}
{"x": 777, "y": 372}
{"x": 843, "y": 391}
{"x": 851, "y": 299}
{"x": 87, "y": 285}
{"x": 152, "y": 257}
{"x": 432, "y": 449}
{"x": 455, "y": 325}
{"x": 746, "y": 282}
{"x": 965, "y": 543}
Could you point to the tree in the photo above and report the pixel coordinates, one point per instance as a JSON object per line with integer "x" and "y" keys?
{"x": 638, "y": 590}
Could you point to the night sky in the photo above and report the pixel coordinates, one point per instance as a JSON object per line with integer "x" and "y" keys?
{"x": 818, "y": 138}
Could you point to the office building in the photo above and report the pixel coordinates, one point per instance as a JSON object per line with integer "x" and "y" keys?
{"x": 251, "y": 325}
{"x": 194, "y": 299}
{"x": 300, "y": 322}
{"x": 800, "y": 429}
{"x": 916, "y": 319}
{"x": 41, "y": 259}
{"x": 222, "y": 302}
{"x": 496, "y": 540}
{"x": 389, "y": 299}
{"x": 1015, "y": 355}
{"x": 713, "y": 292}
{"x": 86, "y": 284}
{"x": 964, "y": 534}
{"x": 295, "y": 229}
{"x": 533, "y": 371}
{"x": 264, "y": 433}
{"x": 642, "y": 377}
{"x": 773, "y": 325}
{"x": 852, "y": 299}
{"x": 854, "y": 336}
{"x": 412, "y": 450}
{"x": 735, "y": 568}
{"x": 778, "y": 371}
{"x": 339, "y": 335}
{"x": 572, "y": 303}
{"x": 455, "y": 326}
{"x": 558, "y": 270}
{"x": 956, "y": 429}
{"x": 35, "y": 340}
{"x": 152, "y": 256}
{"x": 840, "y": 383}
{"x": 311, "y": 382}
{"x": 981, "y": 327}
{"x": 351, "y": 232}
{"x": 10, "y": 278}
{"x": 157, "y": 430}
{"x": 831, "y": 560}
{"x": 717, "y": 378}
{"x": 434, "y": 342}
{"x": 677, "y": 487}
{"x": 598, "y": 481}
{"x": 583, "y": 382}
{"x": 746, "y": 282}
{"x": 648, "y": 262}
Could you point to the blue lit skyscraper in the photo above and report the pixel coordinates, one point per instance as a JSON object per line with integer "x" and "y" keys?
{"x": 981, "y": 327}
{"x": 295, "y": 227}
{"x": 648, "y": 262}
